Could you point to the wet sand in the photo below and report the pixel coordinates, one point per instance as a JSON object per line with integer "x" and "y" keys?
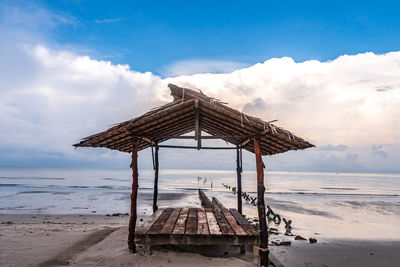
{"x": 51, "y": 240}
{"x": 339, "y": 253}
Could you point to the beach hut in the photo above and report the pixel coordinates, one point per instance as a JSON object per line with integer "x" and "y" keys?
{"x": 192, "y": 111}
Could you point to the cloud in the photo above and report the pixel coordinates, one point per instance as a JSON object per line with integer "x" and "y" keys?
{"x": 333, "y": 102}
{"x": 189, "y": 67}
{"x": 385, "y": 88}
{"x": 50, "y": 98}
{"x": 109, "y": 20}
{"x": 333, "y": 148}
{"x": 63, "y": 97}
{"x": 29, "y": 16}
{"x": 377, "y": 150}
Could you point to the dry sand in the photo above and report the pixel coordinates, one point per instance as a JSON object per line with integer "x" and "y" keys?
{"x": 95, "y": 240}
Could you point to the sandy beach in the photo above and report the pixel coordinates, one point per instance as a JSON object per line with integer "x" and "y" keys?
{"x": 352, "y": 229}
{"x": 88, "y": 240}
{"x": 93, "y": 240}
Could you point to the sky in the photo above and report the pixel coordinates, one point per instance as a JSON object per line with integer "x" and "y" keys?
{"x": 327, "y": 70}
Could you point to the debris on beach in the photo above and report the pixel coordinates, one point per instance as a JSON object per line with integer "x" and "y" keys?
{"x": 312, "y": 240}
{"x": 288, "y": 226}
{"x": 298, "y": 237}
{"x": 273, "y": 231}
{"x": 272, "y": 216}
{"x": 281, "y": 243}
{"x": 118, "y": 214}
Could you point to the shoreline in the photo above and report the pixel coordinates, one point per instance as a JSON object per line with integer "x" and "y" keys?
{"x": 53, "y": 239}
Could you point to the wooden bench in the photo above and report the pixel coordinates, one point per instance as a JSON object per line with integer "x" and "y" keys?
{"x": 195, "y": 226}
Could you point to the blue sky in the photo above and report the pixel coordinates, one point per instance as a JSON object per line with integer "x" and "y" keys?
{"x": 150, "y": 35}
{"x": 327, "y": 70}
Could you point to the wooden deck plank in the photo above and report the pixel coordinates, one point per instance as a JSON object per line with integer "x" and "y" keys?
{"x": 158, "y": 225}
{"x": 243, "y": 222}
{"x": 212, "y": 223}
{"x": 202, "y": 225}
{"x": 169, "y": 225}
{"x": 198, "y": 240}
{"x": 223, "y": 223}
{"x": 145, "y": 226}
{"x": 237, "y": 228}
{"x": 191, "y": 225}
{"x": 180, "y": 224}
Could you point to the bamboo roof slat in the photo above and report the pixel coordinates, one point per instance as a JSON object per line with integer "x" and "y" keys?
{"x": 180, "y": 123}
{"x": 232, "y": 127}
{"x": 178, "y": 117}
{"x": 232, "y": 120}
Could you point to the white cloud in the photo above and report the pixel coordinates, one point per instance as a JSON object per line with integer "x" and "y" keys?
{"x": 60, "y": 97}
{"x": 335, "y": 102}
{"x": 189, "y": 67}
{"x": 66, "y": 97}
{"x": 110, "y": 20}
{"x": 29, "y": 16}
{"x": 50, "y": 98}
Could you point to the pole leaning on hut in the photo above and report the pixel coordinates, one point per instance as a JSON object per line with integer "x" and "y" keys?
{"x": 135, "y": 185}
{"x": 261, "y": 206}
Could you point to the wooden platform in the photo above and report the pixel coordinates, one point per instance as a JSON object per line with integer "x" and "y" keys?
{"x": 196, "y": 226}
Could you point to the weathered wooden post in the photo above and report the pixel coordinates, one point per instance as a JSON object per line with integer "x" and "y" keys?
{"x": 155, "y": 193}
{"x": 135, "y": 185}
{"x": 263, "y": 252}
{"x": 197, "y": 124}
{"x": 239, "y": 186}
{"x": 239, "y": 178}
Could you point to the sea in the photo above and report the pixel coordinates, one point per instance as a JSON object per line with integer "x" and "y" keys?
{"x": 322, "y": 205}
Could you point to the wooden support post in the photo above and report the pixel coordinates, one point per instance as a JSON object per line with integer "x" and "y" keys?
{"x": 155, "y": 193}
{"x": 135, "y": 185}
{"x": 261, "y": 205}
{"x": 197, "y": 126}
{"x": 239, "y": 179}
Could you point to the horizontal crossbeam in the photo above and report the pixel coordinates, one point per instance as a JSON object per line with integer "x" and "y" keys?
{"x": 195, "y": 147}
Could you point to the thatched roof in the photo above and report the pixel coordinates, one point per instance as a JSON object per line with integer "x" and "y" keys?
{"x": 178, "y": 118}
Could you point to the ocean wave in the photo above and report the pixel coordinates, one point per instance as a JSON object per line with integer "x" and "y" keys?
{"x": 35, "y": 192}
{"x": 31, "y": 178}
{"x": 115, "y": 179}
{"x": 339, "y": 188}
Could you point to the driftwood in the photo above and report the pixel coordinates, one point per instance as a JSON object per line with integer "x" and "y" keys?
{"x": 312, "y": 240}
{"x": 298, "y": 237}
